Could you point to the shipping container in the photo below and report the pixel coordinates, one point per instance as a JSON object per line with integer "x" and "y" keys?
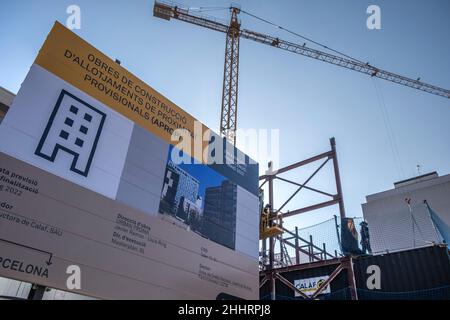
{"x": 422, "y": 273}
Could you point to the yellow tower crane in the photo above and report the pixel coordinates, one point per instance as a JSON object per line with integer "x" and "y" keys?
{"x": 233, "y": 32}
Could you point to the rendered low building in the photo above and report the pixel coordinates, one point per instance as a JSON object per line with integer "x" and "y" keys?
{"x": 6, "y": 98}
{"x": 398, "y": 219}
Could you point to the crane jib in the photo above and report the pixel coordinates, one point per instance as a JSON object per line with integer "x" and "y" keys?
{"x": 167, "y": 11}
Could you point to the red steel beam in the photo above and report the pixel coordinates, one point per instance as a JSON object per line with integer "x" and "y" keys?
{"x": 328, "y": 154}
{"x": 290, "y": 285}
{"x": 305, "y": 266}
{"x": 332, "y": 276}
{"x": 310, "y": 208}
{"x": 301, "y": 250}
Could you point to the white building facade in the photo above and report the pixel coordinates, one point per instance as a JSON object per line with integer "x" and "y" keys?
{"x": 398, "y": 219}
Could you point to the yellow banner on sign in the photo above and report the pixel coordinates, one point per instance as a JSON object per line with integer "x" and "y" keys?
{"x": 74, "y": 60}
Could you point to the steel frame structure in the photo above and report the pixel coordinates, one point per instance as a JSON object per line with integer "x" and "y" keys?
{"x": 269, "y": 271}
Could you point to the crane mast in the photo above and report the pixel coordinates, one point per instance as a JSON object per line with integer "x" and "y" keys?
{"x": 233, "y": 31}
{"x": 228, "y": 117}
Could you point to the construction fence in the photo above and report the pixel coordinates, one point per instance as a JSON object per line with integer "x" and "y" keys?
{"x": 338, "y": 237}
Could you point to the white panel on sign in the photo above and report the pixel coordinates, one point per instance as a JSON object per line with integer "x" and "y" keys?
{"x": 66, "y": 132}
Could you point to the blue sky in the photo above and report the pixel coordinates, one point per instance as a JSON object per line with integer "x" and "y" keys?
{"x": 309, "y": 101}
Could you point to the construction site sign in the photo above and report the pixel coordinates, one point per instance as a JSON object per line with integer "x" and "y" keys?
{"x": 91, "y": 176}
{"x": 72, "y": 59}
{"x": 310, "y": 285}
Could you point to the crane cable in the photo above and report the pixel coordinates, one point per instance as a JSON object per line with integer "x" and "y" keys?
{"x": 301, "y": 36}
{"x": 381, "y": 102}
{"x": 196, "y": 9}
{"x": 207, "y": 9}
{"x": 389, "y": 130}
